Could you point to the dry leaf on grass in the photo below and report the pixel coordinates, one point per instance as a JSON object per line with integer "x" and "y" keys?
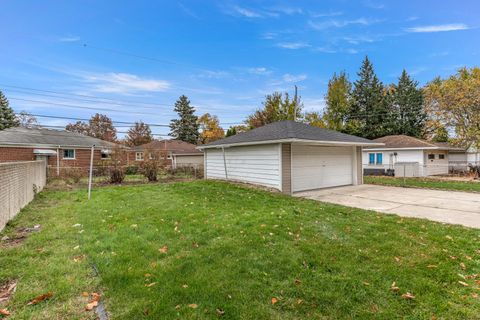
{"x": 163, "y": 249}
{"x": 394, "y": 287}
{"x": 195, "y": 245}
{"x": 408, "y": 296}
{"x": 38, "y": 299}
{"x": 4, "y": 312}
{"x": 150, "y": 284}
{"x": 85, "y": 294}
{"x": 274, "y": 300}
{"x": 431, "y": 266}
{"x": 298, "y": 281}
{"x": 463, "y": 283}
{"x": 397, "y": 259}
{"x": 474, "y": 295}
{"x": 220, "y": 312}
{"x": 193, "y": 305}
{"x": 7, "y": 289}
{"x": 462, "y": 266}
{"x": 91, "y": 305}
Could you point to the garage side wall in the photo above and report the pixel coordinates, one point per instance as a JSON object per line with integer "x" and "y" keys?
{"x": 286, "y": 168}
{"x": 359, "y": 165}
{"x": 259, "y": 164}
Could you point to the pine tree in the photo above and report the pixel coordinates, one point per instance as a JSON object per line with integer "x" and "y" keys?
{"x": 407, "y": 101}
{"x": 231, "y": 132}
{"x": 7, "y": 116}
{"x": 185, "y": 128}
{"x": 370, "y": 110}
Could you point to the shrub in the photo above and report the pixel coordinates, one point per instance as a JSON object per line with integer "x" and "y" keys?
{"x": 116, "y": 175}
{"x": 131, "y": 170}
{"x": 74, "y": 174}
{"x": 150, "y": 170}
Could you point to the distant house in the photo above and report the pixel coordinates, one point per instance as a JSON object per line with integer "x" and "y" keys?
{"x": 463, "y": 158}
{"x": 404, "y": 153}
{"x": 60, "y": 149}
{"x": 176, "y": 153}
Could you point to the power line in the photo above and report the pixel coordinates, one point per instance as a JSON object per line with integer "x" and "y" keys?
{"x": 87, "y": 96}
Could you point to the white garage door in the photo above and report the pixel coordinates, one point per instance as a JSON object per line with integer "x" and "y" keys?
{"x": 316, "y": 167}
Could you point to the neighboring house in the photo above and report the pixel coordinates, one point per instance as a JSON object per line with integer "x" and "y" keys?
{"x": 60, "y": 149}
{"x": 409, "y": 156}
{"x": 463, "y": 158}
{"x": 176, "y": 153}
{"x": 288, "y": 156}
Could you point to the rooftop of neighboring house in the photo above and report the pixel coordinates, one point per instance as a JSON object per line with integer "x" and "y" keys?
{"x": 408, "y": 142}
{"x": 173, "y": 146}
{"x": 49, "y": 138}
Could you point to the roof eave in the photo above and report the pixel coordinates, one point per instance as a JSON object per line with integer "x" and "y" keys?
{"x": 291, "y": 140}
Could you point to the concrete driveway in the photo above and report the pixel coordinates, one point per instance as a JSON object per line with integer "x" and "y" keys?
{"x": 442, "y": 206}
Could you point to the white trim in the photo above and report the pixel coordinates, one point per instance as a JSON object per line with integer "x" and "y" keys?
{"x": 280, "y": 166}
{"x": 408, "y": 148}
{"x": 39, "y": 145}
{"x": 138, "y": 158}
{"x": 293, "y": 140}
{"x": 355, "y": 167}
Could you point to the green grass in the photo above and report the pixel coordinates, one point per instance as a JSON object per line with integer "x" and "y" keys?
{"x": 252, "y": 246}
{"x": 431, "y": 183}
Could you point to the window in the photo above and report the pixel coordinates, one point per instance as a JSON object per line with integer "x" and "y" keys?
{"x": 441, "y": 156}
{"x": 169, "y": 156}
{"x": 105, "y": 155}
{"x": 139, "y": 156}
{"x": 379, "y": 158}
{"x": 371, "y": 158}
{"x": 69, "y": 154}
{"x": 431, "y": 156}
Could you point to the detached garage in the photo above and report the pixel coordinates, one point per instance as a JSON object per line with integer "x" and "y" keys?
{"x": 288, "y": 156}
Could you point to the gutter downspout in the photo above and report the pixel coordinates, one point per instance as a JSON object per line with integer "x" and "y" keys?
{"x": 225, "y": 163}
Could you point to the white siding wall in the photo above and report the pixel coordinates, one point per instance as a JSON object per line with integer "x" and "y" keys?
{"x": 436, "y": 166}
{"x": 258, "y": 164}
{"x": 402, "y": 156}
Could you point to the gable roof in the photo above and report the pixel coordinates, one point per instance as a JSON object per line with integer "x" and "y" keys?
{"x": 289, "y": 131}
{"x": 173, "y": 146}
{"x": 50, "y": 138}
{"x": 407, "y": 142}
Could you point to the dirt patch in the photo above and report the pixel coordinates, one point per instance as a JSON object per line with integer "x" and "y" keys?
{"x": 17, "y": 239}
{"x": 7, "y": 289}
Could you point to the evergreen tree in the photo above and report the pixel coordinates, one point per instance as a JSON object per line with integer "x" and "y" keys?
{"x": 369, "y": 111}
{"x": 407, "y": 101}
{"x": 7, "y": 116}
{"x": 339, "y": 102}
{"x": 231, "y": 132}
{"x": 185, "y": 128}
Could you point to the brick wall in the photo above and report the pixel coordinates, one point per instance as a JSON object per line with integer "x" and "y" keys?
{"x": 82, "y": 157}
{"x": 19, "y": 181}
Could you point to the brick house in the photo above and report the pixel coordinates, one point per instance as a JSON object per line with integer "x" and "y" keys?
{"x": 61, "y": 149}
{"x": 175, "y": 153}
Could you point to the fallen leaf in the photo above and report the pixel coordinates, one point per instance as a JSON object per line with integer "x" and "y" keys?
{"x": 468, "y": 257}
{"x": 220, "y": 312}
{"x": 185, "y": 286}
{"x": 178, "y": 306}
{"x": 298, "y": 281}
{"x": 453, "y": 257}
{"x": 7, "y": 290}
{"x": 150, "y": 284}
{"x": 193, "y": 305}
{"x": 274, "y": 300}
{"x": 462, "y": 266}
{"x": 95, "y": 297}
{"x": 474, "y": 295}
{"x": 431, "y": 266}
{"x": 38, "y": 299}
{"x": 366, "y": 283}
{"x": 4, "y": 312}
{"x": 91, "y": 305}
{"x": 449, "y": 238}
{"x": 408, "y": 296}
{"x": 85, "y": 294}
{"x": 397, "y": 259}
{"x": 394, "y": 287}
{"x": 147, "y": 275}
{"x": 195, "y": 245}
{"x": 163, "y": 249}
{"x": 463, "y": 283}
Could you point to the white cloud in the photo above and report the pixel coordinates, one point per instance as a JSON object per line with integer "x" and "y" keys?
{"x": 124, "y": 83}
{"x": 351, "y": 51}
{"x": 438, "y": 28}
{"x": 288, "y": 10}
{"x": 269, "y": 35}
{"x": 326, "y": 14}
{"x": 291, "y": 78}
{"x": 246, "y": 12}
{"x": 69, "y": 39}
{"x": 209, "y": 74}
{"x": 293, "y": 45}
{"x": 325, "y": 50}
{"x": 259, "y": 71}
{"x": 340, "y": 23}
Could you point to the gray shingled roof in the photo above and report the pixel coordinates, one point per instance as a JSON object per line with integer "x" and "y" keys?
{"x": 289, "y": 130}
{"x": 48, "y": 137}
{"x": 405, "y": 142}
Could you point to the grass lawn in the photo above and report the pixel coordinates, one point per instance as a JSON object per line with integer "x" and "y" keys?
{"x": 209, "y": 250}
{"x": 431, "y": 183}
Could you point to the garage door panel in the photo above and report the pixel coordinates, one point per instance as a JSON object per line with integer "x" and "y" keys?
{"x": 315, "y": 167}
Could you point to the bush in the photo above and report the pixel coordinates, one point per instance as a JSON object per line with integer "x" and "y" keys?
{"x": 150, "y": 170}
{"x": 131, "y": 170}
{"x": 116, "y": 175}
{"x": 74, "y": 174}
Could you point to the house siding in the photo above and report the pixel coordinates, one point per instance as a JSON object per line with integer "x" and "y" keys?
{"x": 259, "y": 164}
{"x": 286, "y": 168}
{"x": 359, "y": 165}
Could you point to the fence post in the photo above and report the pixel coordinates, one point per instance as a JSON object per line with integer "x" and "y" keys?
{"x": 90, "y": 174}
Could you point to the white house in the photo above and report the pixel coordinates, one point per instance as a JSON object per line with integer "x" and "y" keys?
{"x": 408, "y": 155}
{"x": 288, "y": 156}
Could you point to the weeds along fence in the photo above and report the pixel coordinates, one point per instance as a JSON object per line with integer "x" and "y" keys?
{"x": 19, "y": 182}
